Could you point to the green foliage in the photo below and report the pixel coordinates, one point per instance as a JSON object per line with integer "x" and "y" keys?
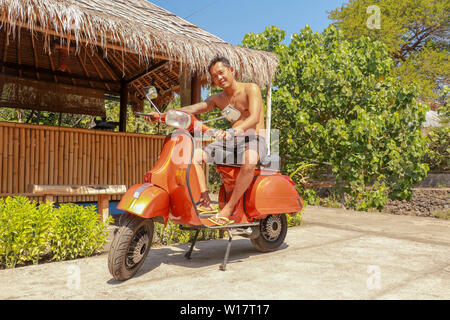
{"x": 46, "y": 118}
{"x": 77, "y": 232}
{"x": 336, "y": 105}
{"x": 24, "y": 231}
{"x": 31, "y": 232}
{"x": 438, "y": 157}
{"x": 295, "y": 219}
{"x": 172, "y": 234}
{"x": 415, "y": 33}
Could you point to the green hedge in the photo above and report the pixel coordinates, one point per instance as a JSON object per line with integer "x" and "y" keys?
{"x": 31, "y": 232}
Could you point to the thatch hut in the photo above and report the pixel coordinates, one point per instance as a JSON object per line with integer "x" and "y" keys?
{"x": 66, "y": 55}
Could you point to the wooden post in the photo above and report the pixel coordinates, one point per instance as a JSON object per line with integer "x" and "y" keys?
{"x": 123, "y": 107}
{"x": 185, "y": 88}
{"x": 103, "y": 206}
{"x": 196, "y": 89}
{"x": 268, "y": 116}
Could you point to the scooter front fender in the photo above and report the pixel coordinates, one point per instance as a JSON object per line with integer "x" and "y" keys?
{"x": 146, "y": 200}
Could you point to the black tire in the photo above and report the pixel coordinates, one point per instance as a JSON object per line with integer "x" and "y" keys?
{"x": 130, "y": 246}
{"x": 273, "y": 231}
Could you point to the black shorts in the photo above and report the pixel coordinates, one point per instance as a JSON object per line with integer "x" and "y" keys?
{"x": 231, "y": 151}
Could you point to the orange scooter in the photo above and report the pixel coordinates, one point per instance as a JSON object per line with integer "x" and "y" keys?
{"x": 171, "y": 190}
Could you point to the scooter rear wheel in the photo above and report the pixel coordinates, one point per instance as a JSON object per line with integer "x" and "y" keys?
{"x": 273, "y": 231}
{"x": 130, "y": 246}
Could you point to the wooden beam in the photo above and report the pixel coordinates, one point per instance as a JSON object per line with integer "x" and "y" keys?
{"x": 106, "y": 65}
{"x": 123, "y": 107}
{"x": 96, "y": 67}
{"x": 5, "y": 50}
{"x": 71, "y": 78}
{"x": 19, "y": 57}
{"x": 115, "y": 65}
{"x": 84, "y": 69}
{"x": 36, "y": 59}
{"x": 146, "y": 72}
{"x": 109, "y": 45}
{"x": 25, "y": 76}
{"x": 66, "y": 190}
{"x": 17, "y": 66}
{"x": 52, "y": 65}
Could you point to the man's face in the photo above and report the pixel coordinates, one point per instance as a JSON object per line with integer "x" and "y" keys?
{"x": 221, "y": 75}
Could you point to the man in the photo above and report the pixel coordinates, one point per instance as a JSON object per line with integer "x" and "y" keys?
{"x": 245, "y": 97}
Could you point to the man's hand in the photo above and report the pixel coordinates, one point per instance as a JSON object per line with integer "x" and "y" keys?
{"x": 152, "y": 117}
{"x": 222, "y": 134}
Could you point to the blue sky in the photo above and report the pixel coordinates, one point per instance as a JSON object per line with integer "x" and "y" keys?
{"x": 230, "y": 20}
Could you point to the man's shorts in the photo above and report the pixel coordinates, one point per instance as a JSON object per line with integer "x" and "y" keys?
{"x": 231, "y": 152}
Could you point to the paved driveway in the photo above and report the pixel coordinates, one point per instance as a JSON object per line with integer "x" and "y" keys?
{"x": 336, "y": 254}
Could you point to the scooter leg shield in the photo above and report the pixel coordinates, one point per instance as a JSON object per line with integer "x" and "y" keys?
{"x": 145, "y": 200}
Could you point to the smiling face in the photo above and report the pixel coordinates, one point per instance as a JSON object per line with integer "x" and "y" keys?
{"x": 221, "y": 75}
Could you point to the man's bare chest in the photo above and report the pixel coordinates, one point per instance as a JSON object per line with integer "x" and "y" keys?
{"x": 238, "y": 101}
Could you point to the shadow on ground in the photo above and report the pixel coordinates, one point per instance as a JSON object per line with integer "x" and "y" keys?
{"x": 206, "y": 253}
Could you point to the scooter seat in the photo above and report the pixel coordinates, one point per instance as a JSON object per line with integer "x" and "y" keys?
{"x": 271, "y": 162}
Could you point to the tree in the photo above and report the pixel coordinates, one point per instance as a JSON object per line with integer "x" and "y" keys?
{"x": 416, "y": 33}
{"x": 337, "y": 106}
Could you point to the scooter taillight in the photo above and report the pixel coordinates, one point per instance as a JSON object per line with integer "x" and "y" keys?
{"x": 148, "y": 177}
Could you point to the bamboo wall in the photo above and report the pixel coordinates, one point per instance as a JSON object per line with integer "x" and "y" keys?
{"x": 32, "y": 154}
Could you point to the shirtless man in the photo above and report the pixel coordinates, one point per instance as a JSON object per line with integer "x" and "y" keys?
{"x": 246, "y": 97}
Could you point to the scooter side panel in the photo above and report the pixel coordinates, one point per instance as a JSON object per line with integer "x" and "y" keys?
{"x": 145, "y": 200}
{"x": 272, "y": 195}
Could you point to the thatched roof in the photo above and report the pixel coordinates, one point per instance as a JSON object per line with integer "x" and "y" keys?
{"x": 136, "y": 27}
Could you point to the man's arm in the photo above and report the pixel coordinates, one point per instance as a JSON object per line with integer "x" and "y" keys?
{"x": 200, "y": 107}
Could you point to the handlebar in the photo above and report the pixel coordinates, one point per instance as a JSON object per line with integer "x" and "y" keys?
{"x": 157, "y": 118}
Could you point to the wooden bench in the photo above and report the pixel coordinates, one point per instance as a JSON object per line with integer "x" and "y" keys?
{"x": 102, "y": 191}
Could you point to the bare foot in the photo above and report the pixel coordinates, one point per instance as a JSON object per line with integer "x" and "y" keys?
{"x": 226, "y": 212}
{"x": 205, "y": 202}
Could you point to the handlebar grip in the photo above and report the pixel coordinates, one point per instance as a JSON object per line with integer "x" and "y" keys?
{"x": 153, "y": 117}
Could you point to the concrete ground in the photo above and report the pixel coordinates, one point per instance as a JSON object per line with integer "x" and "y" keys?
{"x": 335, "y": 254}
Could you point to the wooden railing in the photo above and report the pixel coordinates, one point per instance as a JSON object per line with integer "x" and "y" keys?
{"x": 46, "y": 155}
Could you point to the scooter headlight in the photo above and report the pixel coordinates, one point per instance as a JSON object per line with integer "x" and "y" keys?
{"x": 178, "y": 119}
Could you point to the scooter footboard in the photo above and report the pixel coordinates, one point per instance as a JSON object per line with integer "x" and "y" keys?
{"x": 145, "y": 200}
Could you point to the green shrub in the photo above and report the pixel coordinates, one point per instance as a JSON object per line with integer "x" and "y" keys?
{"x": 438, "y": 156}
{"x": 31, "y": 232}
{"x": 295, "y": 219}
{"x": 77, "y": 232}
{"x": 24, "y": 231}
{"x": 173, "y": 234}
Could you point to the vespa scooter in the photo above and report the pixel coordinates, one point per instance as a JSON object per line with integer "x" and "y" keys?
{"x": 171, "y": 190}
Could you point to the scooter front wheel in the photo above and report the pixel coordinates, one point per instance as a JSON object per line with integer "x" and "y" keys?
{"x": 130, "y": 246}
{"x": 273, "y": 231}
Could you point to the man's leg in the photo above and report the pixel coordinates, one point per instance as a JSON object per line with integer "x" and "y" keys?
{"x": 243, "y": 181}
{"x": 199, "y": 157}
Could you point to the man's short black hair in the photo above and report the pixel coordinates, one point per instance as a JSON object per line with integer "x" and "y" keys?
{"x": 224, "y": 61}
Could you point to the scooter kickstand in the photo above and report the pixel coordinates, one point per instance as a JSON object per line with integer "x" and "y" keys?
{"x": 223, "y": 266}
{"x": 187, "y": 255}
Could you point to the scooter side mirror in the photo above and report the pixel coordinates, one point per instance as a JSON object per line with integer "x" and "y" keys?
{"x": 231, "y": 114}
{"x": 150, "y": 92}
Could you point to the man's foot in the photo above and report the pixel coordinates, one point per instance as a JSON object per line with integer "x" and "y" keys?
{"x": 220, "y": 221}
{"x": 225, "y": 213}
{"x": 205, "y": 203}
